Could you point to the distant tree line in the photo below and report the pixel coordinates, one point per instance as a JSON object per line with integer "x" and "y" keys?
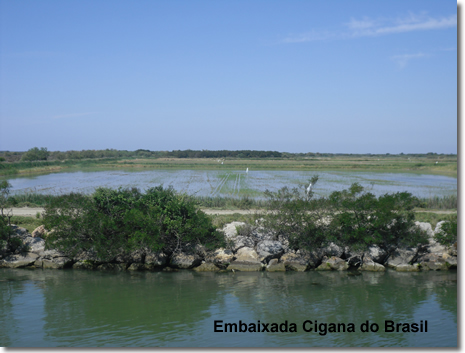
{"x": 42, "y": 154}
{"x": 223, "y": 154}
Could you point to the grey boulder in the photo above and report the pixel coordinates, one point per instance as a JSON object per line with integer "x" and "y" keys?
{"x": 55, "y": 263}
{"x": 206, "y": 267}
{"x": 275, "y": 266}
{"x": 269, "y": 249}
{"x": 370, "y": 265}
{"x": 184, "y": 261}
{"x": 300, "y": 261}
{"x": 401, "y": 256}
{"x": 242, "y": 242}
{"x": 155, "y": 259}
{"x": 333, "y": 264}
{"x": 246, "y": 260}
{"x": 17, "y": 261}
{"x": 220, "y": 257}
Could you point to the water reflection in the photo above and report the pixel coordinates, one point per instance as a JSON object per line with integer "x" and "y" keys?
{"x": 80, "y": 308}
{"x": 337, "y": 297}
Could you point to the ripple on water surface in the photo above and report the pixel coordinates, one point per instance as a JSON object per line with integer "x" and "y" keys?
{"x": 235, "y": 183}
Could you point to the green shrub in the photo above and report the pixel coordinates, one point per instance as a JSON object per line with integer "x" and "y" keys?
{"x": 351, "y": 217}
{"x": 245, "y": 230}
{"x": 296, "y": 216}
{"x": 112, "y": 222}
{"x": 448, "y": 234}
{"x": 361, "y": 219}
{"x": 7, "y": 242}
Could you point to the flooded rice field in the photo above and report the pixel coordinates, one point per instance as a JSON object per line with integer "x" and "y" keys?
{"x": 235, "y": 183}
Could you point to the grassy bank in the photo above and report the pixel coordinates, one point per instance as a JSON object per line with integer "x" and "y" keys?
{"x": 46, "y": 167}
{"x": 424, "y": 164}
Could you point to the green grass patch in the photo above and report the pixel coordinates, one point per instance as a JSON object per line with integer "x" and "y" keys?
{"x": 220, "y": 220}
{"x": 434, "y": 218}
{"x": 30, "y": 223}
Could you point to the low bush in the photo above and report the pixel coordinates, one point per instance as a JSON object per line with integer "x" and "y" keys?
{"x": 294, "y": 214}
{"x": 352, "y": 218}
{"x": 448, "y": 233}
{"x": 8, "y": 243}
{"x": 112, "y": 222}
{"x": 361, "y": 219}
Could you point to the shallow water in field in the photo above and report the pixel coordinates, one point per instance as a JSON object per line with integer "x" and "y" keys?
{"x": 235, "y": 183}
{"x": 75, "y": 308}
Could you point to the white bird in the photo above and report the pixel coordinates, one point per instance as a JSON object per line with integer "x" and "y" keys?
{"x": 436, "y": 162}
{"x": 247, "y": 170}
{"x": 309, "y": 188}
{"x": 221, "y": 162}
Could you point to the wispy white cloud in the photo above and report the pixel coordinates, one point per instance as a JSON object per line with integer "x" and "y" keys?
{"x": 403, "y": 60}
{"x": 368, "y": 27}
{"x": 364, "y": 24}
{"x": 427, "y": 24}
{"x": 448, "y": 49}
{"x": 310, "y": 37}
{"x": 76, "y": 115}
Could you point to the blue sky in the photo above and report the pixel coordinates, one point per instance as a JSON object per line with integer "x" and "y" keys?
{"x": 294, "y": 76}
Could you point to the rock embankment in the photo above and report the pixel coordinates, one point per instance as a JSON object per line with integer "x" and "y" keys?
{"x": 256, "y": 251}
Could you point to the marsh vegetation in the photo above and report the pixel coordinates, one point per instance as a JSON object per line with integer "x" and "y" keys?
{"x": 33, "y": 161}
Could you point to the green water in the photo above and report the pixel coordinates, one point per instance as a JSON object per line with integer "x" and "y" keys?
{"x": 147, "y": 309}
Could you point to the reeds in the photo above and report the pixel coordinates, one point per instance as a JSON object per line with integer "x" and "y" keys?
{"x": 242, "y": 203}
{"x": 33, "y": 199}
{"x": 439, "y": 202}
